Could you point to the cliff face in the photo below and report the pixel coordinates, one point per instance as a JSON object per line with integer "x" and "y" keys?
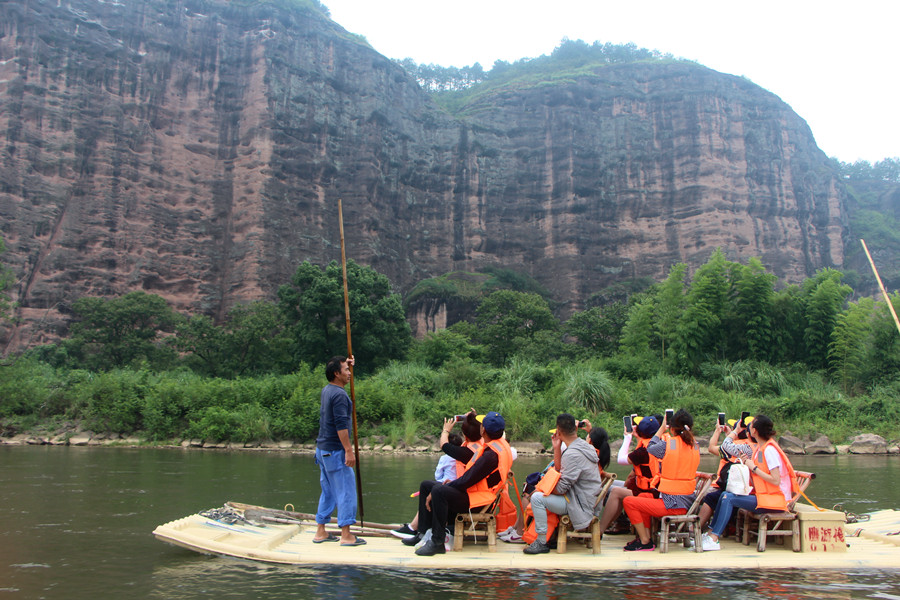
{"x": 196, "y": 149}
{"x": 642, "y": 166}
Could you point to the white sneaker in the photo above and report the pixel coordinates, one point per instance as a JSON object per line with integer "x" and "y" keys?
{"x": 510, "y": 531}
{"x": 709, "y": 544}
{"x": 515, "y": 538}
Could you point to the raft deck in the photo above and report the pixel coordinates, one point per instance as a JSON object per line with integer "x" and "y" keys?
{"x": 868, "y": 546}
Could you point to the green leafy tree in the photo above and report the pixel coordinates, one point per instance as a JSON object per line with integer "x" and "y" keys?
{"x": 788, "y": 324}
{"x": 824, "y": 300}
{"x": 885, "y": 357}
{"x": 313, "y": 305}
{"x": 851, "y": 342}
{"x": 440, "y": 347}
{"x": 755, "y": 301}
{"x": 509, "y": 320}
{"x": 638, "y": 332}
{"x": 121, "y": 332}
{"x": 252, "y": 341}
{"x": 599, "y": 328}
{"x": 7, "y": 279}
{"x": 256, "y": 341}
{"x": 699, "y": 333}
{"x": 670, "y": 301}
{"x": 202, "y": 341}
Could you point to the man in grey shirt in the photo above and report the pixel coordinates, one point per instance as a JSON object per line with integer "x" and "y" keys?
{"x": 578, "y": 487}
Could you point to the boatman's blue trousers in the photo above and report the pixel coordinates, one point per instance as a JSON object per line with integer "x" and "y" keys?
{"x": 338, "y": 483}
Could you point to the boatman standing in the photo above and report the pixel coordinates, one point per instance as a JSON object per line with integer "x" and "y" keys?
{"x": 334, "y": 455}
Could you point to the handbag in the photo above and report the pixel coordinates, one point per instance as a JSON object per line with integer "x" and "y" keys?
{"x": 738, "y": 479}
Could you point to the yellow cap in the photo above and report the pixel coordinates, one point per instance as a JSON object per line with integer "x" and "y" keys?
{"x": 553, "y": 431}
{"x": 479, "y": 418}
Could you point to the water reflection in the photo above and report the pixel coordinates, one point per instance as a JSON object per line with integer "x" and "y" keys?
{"x": 78, "y": 521}
{"x": 192, "y": 578}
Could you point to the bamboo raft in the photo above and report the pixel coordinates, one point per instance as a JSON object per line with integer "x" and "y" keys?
{"x": 283, "y": 536}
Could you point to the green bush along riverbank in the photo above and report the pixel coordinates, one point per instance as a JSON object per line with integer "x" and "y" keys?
{"x": 404, "y": 402}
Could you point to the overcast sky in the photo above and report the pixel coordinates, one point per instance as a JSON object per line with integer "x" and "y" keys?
{"x": 834, "y": 63}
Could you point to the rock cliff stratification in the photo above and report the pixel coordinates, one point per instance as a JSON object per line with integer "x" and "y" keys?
{"x": 196, "y": 149}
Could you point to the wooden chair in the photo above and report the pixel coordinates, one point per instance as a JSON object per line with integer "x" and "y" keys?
{"x": 483, "y": 521}
{"x": 783, "y": 524}
{"x": 591, "y": 533}
{"x": 687, "y": 526}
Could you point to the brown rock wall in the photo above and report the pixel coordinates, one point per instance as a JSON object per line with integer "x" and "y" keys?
{"x": 196, "y": 149}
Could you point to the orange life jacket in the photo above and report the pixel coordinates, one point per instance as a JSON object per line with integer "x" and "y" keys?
{"x": 640, "y": 480}
{"x": 548, "y": 482}
{"x": 678, "y": 470}
{"x": 770, "y": 495}
{"x": 508, "y": 514}
{"x": 731, "y": 459}
{"x": 546, "y": 486}
{"x": 481, "y": 493}
{"x": 530, "y": 532}
{"x": 474, "y": 447}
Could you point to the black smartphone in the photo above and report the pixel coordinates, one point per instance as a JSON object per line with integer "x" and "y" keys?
{"x": 580, "y": 424}
{"x": 722, "y": 419}
{"x": 744, "y": 416}
{"x": 670, "y": 414}
{"x": 629, "y": 426}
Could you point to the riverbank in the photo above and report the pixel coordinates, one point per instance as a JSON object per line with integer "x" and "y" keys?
{"x": 863, "y": 444}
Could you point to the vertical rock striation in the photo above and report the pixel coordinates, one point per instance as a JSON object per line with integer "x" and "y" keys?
{"x": 196, "y": 149}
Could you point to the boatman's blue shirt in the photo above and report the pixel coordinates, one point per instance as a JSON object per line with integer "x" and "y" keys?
{"x": 334, "y": 415}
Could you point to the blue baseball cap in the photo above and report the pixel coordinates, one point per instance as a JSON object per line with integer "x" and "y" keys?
{"x": 647, "y": 427}
{"x": 493, "y": 423}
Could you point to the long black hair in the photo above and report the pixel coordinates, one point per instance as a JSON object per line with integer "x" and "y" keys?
{"x": 600, "y": 440}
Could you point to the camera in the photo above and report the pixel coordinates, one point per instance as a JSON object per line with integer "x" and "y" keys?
{"x": 459, "y": 418}
{"x": 581, "y": 424}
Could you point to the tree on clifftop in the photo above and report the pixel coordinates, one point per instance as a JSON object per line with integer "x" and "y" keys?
{"x": 313, "y": 305}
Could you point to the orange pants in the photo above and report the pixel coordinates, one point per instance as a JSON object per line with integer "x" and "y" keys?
{"x": 641, "y": 509}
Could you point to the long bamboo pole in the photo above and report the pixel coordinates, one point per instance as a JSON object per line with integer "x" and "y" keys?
{"x": 881, "y": 285}
{"x": 359, "y": 496}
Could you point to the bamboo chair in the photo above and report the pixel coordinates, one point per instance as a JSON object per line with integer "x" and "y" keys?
{"x": 483, "y": 521}
{"x": 783, "y": 524}
{"x": 590, "y": 534}
{"x": 687, "y": 526}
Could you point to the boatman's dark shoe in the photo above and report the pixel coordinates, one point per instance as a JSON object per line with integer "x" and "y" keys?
{"x": 412, "y": 540}
{"x": 429, "y": 548}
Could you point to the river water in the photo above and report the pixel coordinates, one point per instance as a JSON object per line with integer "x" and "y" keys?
{"x": 77, "y": 522}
